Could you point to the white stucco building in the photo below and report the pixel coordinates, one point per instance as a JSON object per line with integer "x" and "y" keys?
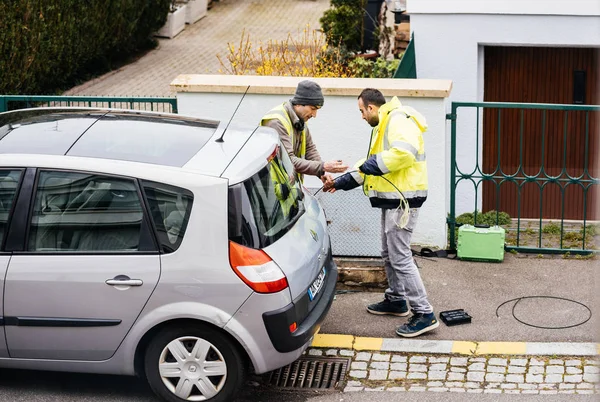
{"x": 535, "y": 51}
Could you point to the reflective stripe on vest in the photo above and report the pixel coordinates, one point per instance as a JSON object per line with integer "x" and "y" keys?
{"x": 357, "y": 177}
{"x": 394, "y": 195}
{"x": 405, "y": 146}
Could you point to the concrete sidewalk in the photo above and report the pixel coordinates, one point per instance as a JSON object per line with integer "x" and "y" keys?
{"x": 479, "y": 289}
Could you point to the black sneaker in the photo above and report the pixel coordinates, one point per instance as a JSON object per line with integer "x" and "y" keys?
{"x": 386, "y": 307}
{"x": 418, "y": 324}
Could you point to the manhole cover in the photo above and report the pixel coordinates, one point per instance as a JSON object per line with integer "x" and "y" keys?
{"x": 310, "y": 373}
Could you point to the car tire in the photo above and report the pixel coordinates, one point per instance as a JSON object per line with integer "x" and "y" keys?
{"x": 178, "y": 362}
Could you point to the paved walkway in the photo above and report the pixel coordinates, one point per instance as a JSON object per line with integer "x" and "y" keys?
{"x": 195, "y": 49}
{"x": 399, "y": 372}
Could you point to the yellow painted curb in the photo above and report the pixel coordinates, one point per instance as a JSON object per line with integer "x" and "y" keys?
{"x": 363, "y": 343}
{"x": 340, "y": 341}
{"x": 333, "y": 341}
{"x": 501, "y": 348}
{"x": 464, "y": 348}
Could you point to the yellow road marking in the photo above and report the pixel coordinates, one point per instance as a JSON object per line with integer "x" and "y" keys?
{"x": 363, "y": 343}
{"x": 332, "y": 341}
{"x": 464, "y": 348}
{"x": 502, "y": 348}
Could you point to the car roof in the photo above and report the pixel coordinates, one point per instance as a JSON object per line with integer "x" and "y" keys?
{"x": 123, "y": 135}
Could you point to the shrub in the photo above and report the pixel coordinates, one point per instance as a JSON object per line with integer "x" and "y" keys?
{"x": 343, "y": 24}
{"x": 306, "y": 55}
{"x": 591, "y": 230}
{"x": 572, "y": 236}
{"x": 502, "y": 218}
{"x": 46, "y": 45}
{"x": 490, "y": 218}
{"x": 551, "y": 228}
{"x": 381, "y": 68}
{"x": 468, "y": 218}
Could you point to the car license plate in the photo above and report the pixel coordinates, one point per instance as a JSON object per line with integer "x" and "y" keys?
{"x": 316, "y": 285}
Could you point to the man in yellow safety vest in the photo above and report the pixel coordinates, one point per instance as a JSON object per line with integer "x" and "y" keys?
{"x": 394, "y": 177}
{"x": 289, "y": 120}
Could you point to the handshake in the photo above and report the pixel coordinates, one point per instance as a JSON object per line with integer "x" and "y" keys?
{"x": 331, "y": 167}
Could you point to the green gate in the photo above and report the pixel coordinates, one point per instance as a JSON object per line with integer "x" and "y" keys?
{"x": 541, "y": 161}
{"x": 155, "y": 104}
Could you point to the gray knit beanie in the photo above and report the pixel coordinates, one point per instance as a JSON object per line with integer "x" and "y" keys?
{"x": 308, "y": 93}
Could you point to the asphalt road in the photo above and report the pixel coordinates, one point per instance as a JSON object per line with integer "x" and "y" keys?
{"x": 38, "y": 386}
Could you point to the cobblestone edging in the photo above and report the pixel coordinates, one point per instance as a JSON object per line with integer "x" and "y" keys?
{"x": 511, "y": 375}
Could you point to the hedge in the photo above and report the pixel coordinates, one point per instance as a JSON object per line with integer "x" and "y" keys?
{"x": 46, "y": 45}
{"x": 343, "y": 23}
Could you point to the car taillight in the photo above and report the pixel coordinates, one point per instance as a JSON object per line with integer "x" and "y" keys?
{"x": 256, "y": 269}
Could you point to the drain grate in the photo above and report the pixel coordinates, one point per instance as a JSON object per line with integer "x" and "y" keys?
{"x": 310, "y": 373}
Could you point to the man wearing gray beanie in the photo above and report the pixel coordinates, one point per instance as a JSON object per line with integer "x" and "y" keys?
{"x": 289, "y": 120}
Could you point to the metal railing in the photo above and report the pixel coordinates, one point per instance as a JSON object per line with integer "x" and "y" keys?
{"x": 574, "y": 236}
{"x": 155, "y": 104}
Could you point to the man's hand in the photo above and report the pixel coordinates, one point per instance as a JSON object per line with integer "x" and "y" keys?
{"x": 326, "y": 178}
{"x": 328, "y": 183}
{"x": 329, "y": 188}
{"x": 335, "y": 166}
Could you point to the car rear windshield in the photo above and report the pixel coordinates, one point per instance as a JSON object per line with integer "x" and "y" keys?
{"x": 266, "y": 205}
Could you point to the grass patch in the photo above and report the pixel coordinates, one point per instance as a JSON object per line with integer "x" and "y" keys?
{"x": 591, "y": 230}
{"x": 551, "y": 228}
{"x": 572, "y": 237}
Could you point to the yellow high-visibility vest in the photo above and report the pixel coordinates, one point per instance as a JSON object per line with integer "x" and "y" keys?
{"x": 279, "y": 113}
{"x": 398, "y": 145}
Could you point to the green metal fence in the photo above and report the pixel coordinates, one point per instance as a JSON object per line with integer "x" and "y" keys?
{"x": 408, "y": 65}
{"x": 531, "y": 124}
{"x": 13, "y": 102}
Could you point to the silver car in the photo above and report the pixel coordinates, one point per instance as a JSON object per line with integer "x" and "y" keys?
{"x": 156, "y": 245}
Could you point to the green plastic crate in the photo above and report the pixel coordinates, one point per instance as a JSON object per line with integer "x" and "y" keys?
{"x": 480, "y": 243}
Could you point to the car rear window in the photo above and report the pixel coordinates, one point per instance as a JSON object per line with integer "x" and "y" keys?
{"x": 263, "y": 207}
{"x": 9, "y": 182}
{"x": 170, "y": 208}
{"x": 157, "y": 140}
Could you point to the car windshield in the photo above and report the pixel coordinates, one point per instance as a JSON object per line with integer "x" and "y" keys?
{"x": 266, "y": 205}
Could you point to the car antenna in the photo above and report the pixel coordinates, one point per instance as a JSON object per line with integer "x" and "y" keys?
{"x": 220, "y": 139}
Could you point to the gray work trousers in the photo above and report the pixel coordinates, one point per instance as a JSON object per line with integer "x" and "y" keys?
{"x": 404, "y": 279}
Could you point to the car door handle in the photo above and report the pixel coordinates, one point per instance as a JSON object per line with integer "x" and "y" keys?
{"x": 123, "y": 280}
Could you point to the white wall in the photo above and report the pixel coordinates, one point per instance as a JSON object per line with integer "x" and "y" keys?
{"x": 450, "y": 41}
{"x": 518, "y": 7}
{"x": 340, "y": 133}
